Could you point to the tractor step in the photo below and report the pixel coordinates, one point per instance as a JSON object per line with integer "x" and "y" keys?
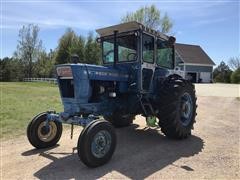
{"x": 146, "y": 106}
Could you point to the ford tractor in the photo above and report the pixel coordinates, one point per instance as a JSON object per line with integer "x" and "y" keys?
{"x": 137, "y": 77}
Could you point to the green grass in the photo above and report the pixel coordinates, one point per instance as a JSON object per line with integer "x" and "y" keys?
{"x": 21, "y": 101}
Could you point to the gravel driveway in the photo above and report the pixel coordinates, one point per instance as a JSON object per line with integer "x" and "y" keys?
{"x": 219, "y": 90}
{"x": 212, "y": 152}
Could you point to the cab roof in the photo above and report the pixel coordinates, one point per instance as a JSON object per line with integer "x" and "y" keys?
{"x": 129, "y": 26}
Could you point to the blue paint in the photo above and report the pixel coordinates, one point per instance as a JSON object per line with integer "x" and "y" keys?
{"x": 103, "y": 90}
{"x": 84, "y": 74}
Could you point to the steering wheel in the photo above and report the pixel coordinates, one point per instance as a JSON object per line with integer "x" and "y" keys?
{"x": 109, "y": 52}
{"x": 134, "y": 56}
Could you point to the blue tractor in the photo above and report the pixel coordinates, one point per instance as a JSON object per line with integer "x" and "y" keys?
{"x": 137, "y": 78}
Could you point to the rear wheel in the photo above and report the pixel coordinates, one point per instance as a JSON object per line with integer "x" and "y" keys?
{"x": 177, "y": 107}
{"x": 96, "y": 143}
{"x": 41, "y": 134}
{"x": 119, "y": 120}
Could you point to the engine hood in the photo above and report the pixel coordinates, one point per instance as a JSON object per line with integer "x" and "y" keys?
{"x": 96, "y": 72}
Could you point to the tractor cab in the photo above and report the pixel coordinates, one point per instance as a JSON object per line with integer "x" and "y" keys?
{"x": 138, "y": 50}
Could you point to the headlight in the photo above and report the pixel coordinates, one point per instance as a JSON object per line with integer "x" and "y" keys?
{"x": 64, "y": 71}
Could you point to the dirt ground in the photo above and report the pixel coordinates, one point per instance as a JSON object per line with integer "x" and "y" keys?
{"x": 220, "y": 90}
{"x": 212, "y": 152}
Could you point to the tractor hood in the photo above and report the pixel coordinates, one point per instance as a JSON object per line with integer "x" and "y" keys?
{"x": 79, "y": 84}
{"x": 91, "y": 72}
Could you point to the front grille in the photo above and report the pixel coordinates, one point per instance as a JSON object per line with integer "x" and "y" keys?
{"x": 67, "y": 88}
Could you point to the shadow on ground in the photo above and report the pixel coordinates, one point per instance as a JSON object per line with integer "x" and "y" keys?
{"x": 139, "y": 153}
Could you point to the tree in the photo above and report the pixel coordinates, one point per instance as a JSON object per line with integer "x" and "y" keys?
{"x": 235, "y": 77}
{"x": 11, "y": 69}
{"x": 28, "y": 47}
{"x": 44, "y": 67}
{"x": 92, "y": 50}
{"x": 69, "y": 44}
{"x": 234, "y": 63}
{"x": 150, "y": 16}
{"x": 222, "y": 73}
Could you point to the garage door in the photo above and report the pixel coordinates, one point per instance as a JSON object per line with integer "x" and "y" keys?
{"x": 205, "y": 76}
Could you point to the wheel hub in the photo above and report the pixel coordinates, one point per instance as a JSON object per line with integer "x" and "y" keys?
{"x": 47, "y": 132}
{"x": 186, "y": 108}
{"x": 101, "y": 144}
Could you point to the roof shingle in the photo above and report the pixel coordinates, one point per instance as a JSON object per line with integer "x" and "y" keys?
{"x": 193, "y": 54}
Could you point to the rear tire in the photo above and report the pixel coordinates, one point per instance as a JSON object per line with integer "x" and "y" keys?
{"x": 41, "y": 136}
{"x": 177, "y": 107}
{"x": 119, "y": 120}
{"x": 96, "y": 143}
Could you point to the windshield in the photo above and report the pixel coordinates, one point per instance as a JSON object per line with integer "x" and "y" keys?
{"x": 126, "y": 49}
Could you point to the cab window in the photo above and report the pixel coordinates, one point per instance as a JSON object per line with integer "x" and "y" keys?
{"x": 165, "y": 56}
{"x": 108, "y": 51}
{"x": 148, "y": 48}
{"x": 126, "y": 49}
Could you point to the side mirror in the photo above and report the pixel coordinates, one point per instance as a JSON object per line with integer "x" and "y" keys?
{"x": 98, "y": 40}
{"x": 171, "y": 41}
{"x": 136, "y": 34}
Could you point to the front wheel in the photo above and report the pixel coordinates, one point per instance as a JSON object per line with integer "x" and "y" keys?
{"x": 96, "y": 143}
{"x": 41, "y": 134}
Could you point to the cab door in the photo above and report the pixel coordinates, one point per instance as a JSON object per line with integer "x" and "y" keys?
{"x": 148, "y": 64}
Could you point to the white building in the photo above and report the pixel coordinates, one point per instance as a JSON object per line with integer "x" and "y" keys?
{"x": 196, "y": 64}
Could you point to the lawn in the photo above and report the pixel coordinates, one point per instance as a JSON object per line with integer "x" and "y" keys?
{"x": 20, "y": 101}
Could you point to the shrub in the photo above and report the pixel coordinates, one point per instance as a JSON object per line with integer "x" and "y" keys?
{"x": 235, "y": 77}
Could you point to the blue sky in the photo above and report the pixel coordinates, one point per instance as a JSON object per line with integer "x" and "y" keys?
{"x": 214, "y": 25}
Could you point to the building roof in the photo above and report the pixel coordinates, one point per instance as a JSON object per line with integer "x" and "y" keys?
{"x": 193, "y": 54}
{"x": 129, "y": 26}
